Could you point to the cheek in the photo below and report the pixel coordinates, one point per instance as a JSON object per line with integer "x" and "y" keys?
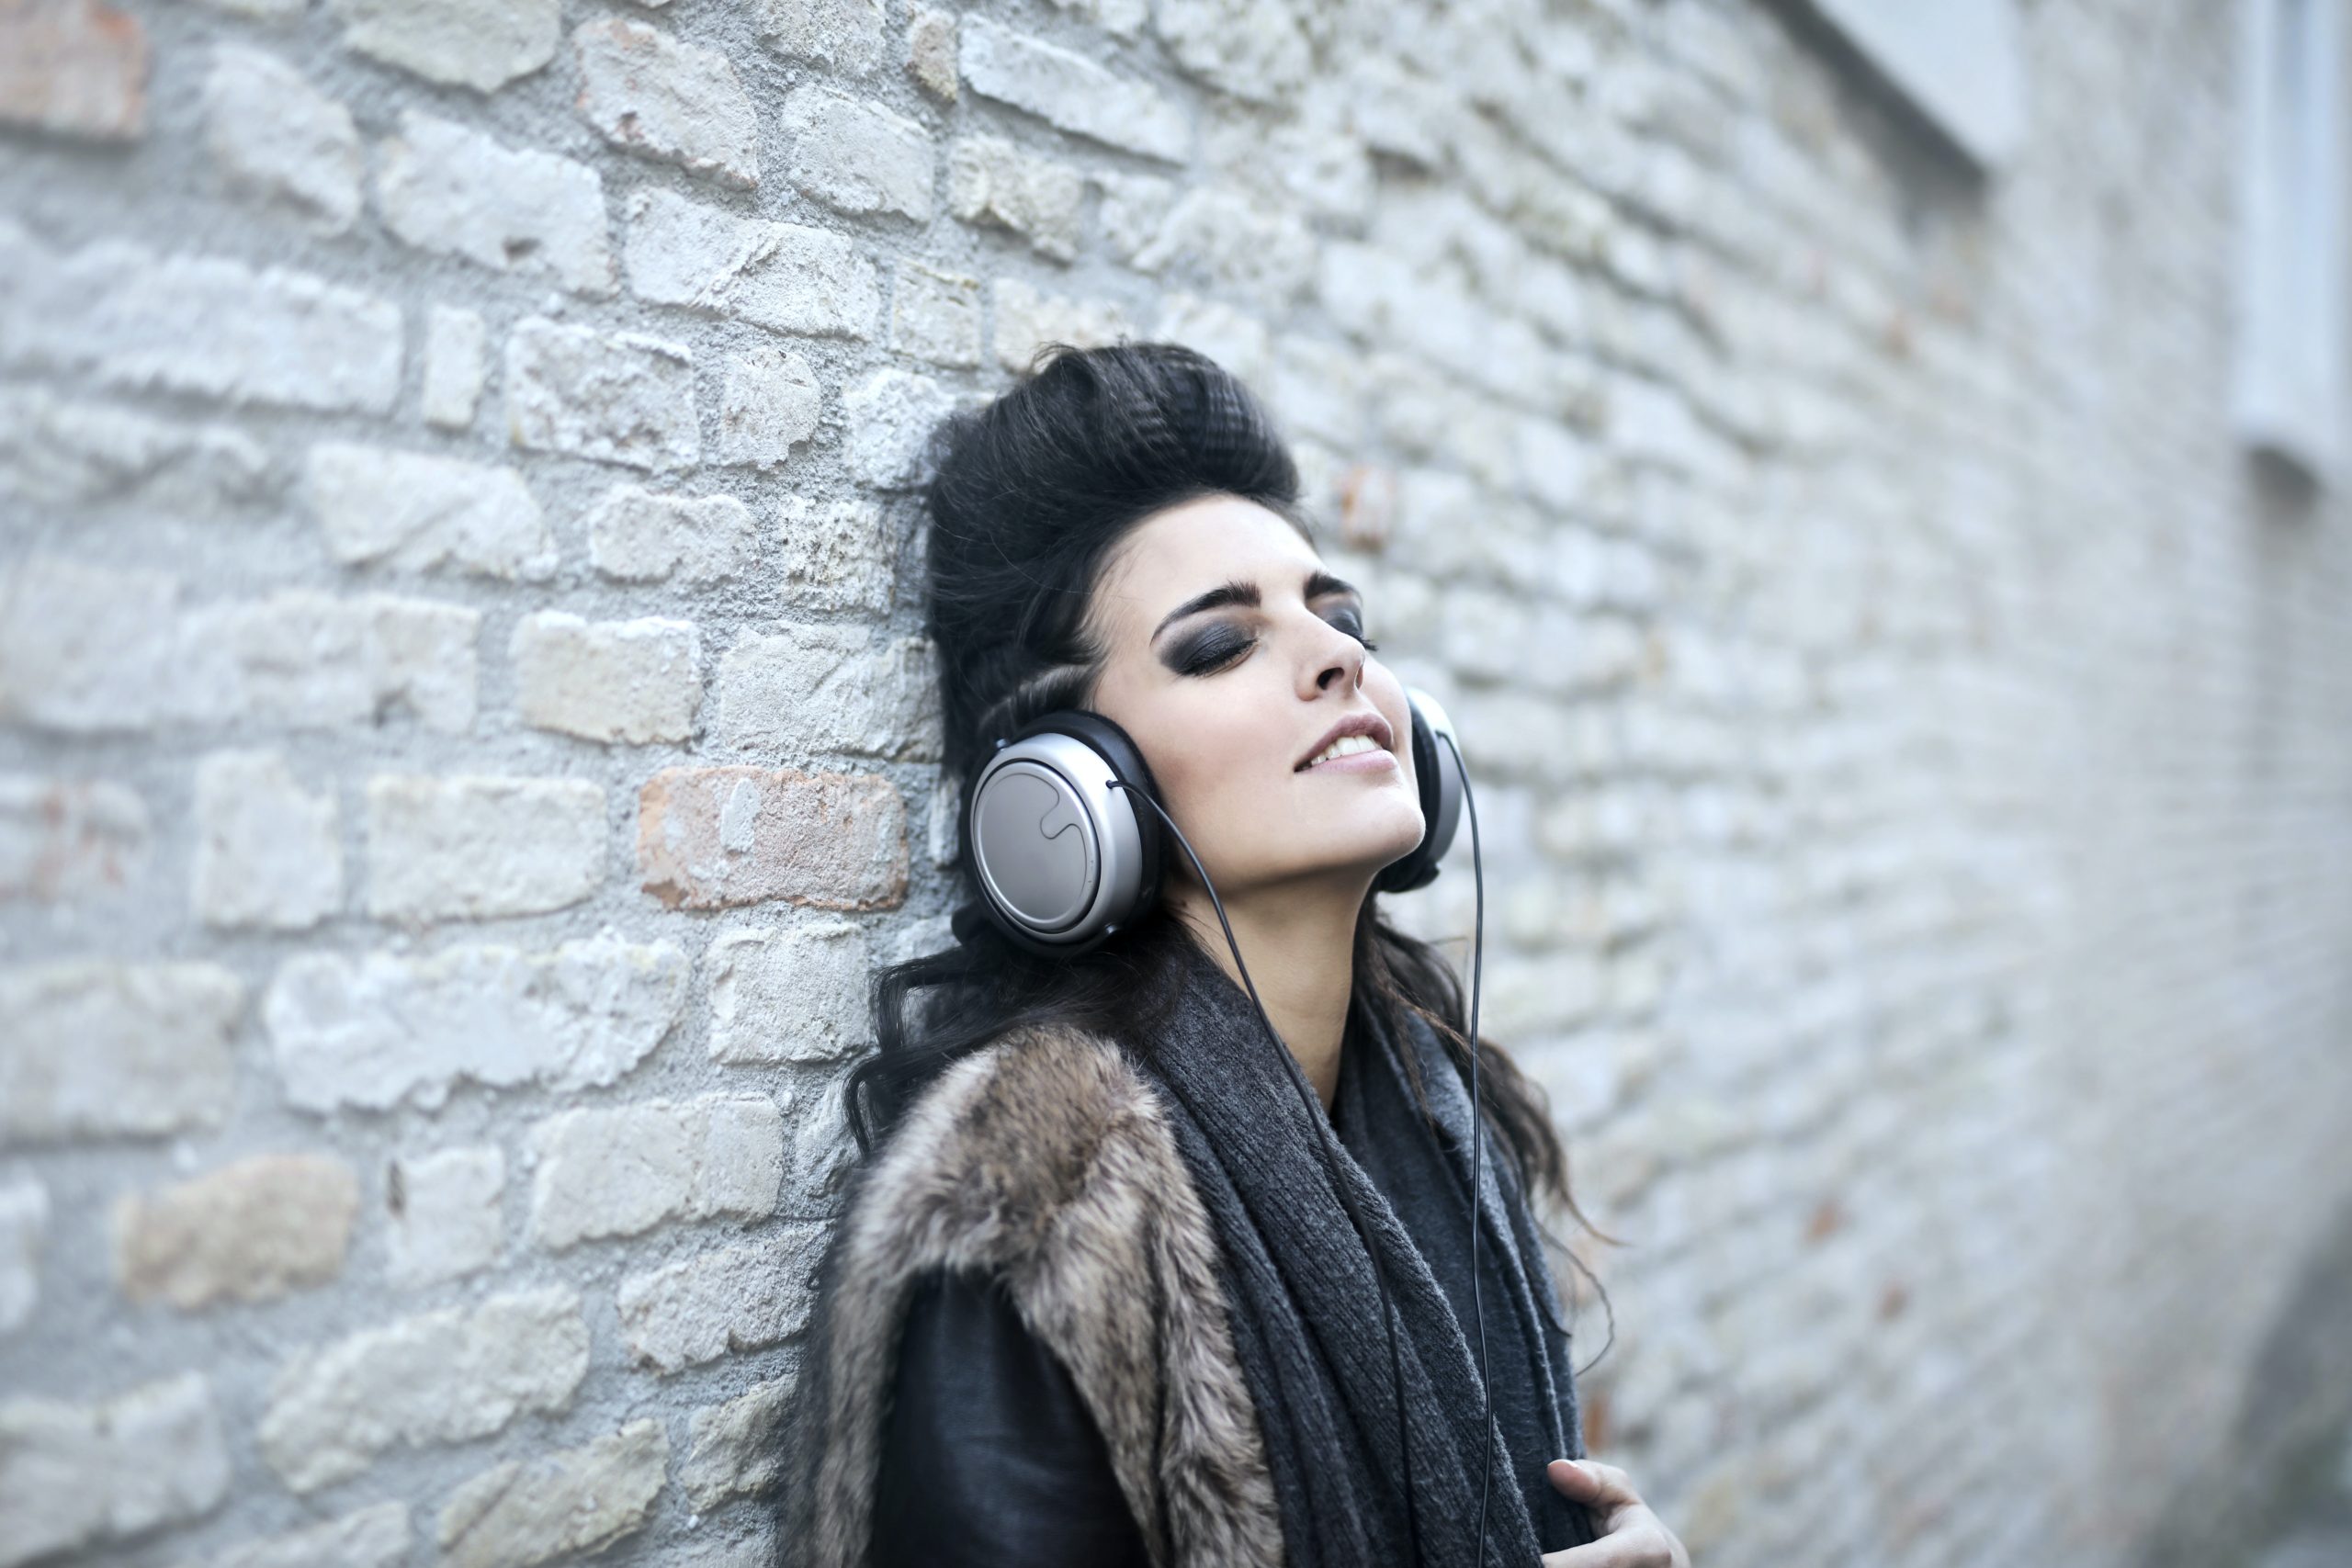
{"x": 1213, "y": 762}
{"x": 1221, "y": 756}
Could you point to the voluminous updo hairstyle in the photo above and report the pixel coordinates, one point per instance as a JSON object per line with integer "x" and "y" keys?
{"x": 1029, "y": 495}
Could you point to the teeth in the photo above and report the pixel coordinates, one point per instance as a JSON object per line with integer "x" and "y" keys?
{"x": 1346, "y": 745}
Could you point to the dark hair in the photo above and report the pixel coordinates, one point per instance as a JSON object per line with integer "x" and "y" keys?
{"x": 1029, "y": 495}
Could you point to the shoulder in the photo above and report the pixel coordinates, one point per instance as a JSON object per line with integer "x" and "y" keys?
{"x": 1004, "y": 1144}
{"x": 1047, "y": 1160}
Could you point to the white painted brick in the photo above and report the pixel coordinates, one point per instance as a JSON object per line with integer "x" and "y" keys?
{"x": 823, "y": 1153}
{"x": 788, "y": 277}
{"x": 753, "y": 1550}
{"x": 100, "y": 1050}
{"x": 1233, "y": 338}
{"x": 858, "y": 157}
{"x": 445, "y": 1219}
{"x": 1436, "y": 513}
{"x": 268, "y": 852}
{"x": 252, "y": 1230}
{"x": 1068, "y": 90}
{"x": 456, "y": 344}
{"x": 376, "y": 1535}
{"x": 273, "y": 134}
{"x": 61, "y": 451}
{"x": 1252, "y": 49}
{"x": 638, "y": 536}
{"x": 621, "y": 1170}
{"x": 419, "y": 511}
{"x": 24, "y": 1236}
{"x": 385, "y": 1028}
{"x": 562, "y": 1504}
{"x": 935, "y": 315}
{"x": 310, "y": 660}
{"x": 1223, "y": 237}
{"x": 481, "y": 44}
{"x": 617, "y": 397}
{"x": 1028, "y": 318}
{"x": 1121, "y": 18}
{"x": 86, "y": 649}
{"x": 993, "y": 181}
{"x": 630, "y": 681}
{"x": 474, "y": 847}
{"x": 443, "y": 189}
{"x": 734, "y": 1298}
{"x": 63, "y": 838}
{"x": 769, "y": 404}
{"x": 438, "y": 1377}
{"x": 76, "y": 1475}
{"x": 260, "y": 10}
{"x": 1319, "y": 390}
{"x": 940, "y": 835}
{"x": 1554, "y": 461}
{"x": 74, "y": 71}
{"x": 793, "y": 994}
{"x": 1134, "y": 210}
{"x": 204, "y": 325}
{"x": 844, "y": 36}
{"x": 1322, "y": 168}
{"x": 889, "y": 415}
{"x": 831, "y": 555}
{"x": 734, "y": 1450}
{"x": 931, "y": 53}
{"x": 682, "y": 104}
{"x": 826, "y": 688}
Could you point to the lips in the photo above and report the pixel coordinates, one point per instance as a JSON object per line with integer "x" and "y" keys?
{"x": 1369, "y": 724}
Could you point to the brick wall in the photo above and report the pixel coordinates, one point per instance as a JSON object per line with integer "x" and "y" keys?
{"x": 465, "y": 736}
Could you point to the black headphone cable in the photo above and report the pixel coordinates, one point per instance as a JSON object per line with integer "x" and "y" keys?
{"x": 1478, "y": 1128}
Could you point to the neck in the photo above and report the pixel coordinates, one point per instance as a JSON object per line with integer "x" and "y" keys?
{"x": 1300, "y": 943}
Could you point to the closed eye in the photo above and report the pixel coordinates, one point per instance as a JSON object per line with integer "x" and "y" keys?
{"x": 1221, "y": 650}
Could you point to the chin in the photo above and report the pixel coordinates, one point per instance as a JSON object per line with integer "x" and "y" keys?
{"x": 1380, "y": 843}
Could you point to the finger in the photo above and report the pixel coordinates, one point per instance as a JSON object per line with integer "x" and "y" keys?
{"x": 1617, "y": 1551}
{"x": 1590, "y": 1481}
{"x": 1610, "y": 1510}
{"x": 1641, "y": 1542}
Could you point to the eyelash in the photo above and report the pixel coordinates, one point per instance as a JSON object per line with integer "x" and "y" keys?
{"x": 1215, "y": 658}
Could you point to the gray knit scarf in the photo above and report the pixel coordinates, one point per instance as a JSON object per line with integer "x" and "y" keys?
{"x": 1305, "y": 1309}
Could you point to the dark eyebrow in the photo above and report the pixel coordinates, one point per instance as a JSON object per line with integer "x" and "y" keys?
{"x": 1239, "y": 592}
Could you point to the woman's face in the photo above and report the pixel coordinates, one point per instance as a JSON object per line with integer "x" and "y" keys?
{"x": 1231, "y": 655}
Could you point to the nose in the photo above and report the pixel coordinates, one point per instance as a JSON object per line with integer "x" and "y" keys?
{"x": 1346, "y": 664}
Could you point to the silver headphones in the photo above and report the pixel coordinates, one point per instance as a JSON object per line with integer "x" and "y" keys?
{"x": 1065, "y": 858}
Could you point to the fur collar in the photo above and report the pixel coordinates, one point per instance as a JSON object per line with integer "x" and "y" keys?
{"x": 1045, "y": 1156}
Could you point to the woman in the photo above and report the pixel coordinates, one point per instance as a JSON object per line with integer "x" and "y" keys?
{"x": 1103, "y": 1292}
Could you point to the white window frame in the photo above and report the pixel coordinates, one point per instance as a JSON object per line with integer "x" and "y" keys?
{"x": 2287, "y": 397}
{"x": 1960, "y": 62}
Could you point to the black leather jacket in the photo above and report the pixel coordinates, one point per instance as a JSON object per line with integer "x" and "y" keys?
{"x": 989, "y": 1459}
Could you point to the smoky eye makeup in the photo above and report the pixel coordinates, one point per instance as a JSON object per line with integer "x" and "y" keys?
{"x": 1215, "y": 646}
{"x": 1200, "y": 654}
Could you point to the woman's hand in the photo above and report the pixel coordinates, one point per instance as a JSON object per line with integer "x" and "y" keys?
{"x": 1631, "y": 1536}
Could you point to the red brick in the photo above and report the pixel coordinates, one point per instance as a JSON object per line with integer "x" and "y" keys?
{"x": 709, "y": 838}
{"x": 77, "y": 67}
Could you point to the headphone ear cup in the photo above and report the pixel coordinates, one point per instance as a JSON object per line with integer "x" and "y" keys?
{"x": 1050, "y": 893}
{"x": 1419, "y": 868}
{"x": 1437, "y": 774}
{"x": 1127, "y": 760}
